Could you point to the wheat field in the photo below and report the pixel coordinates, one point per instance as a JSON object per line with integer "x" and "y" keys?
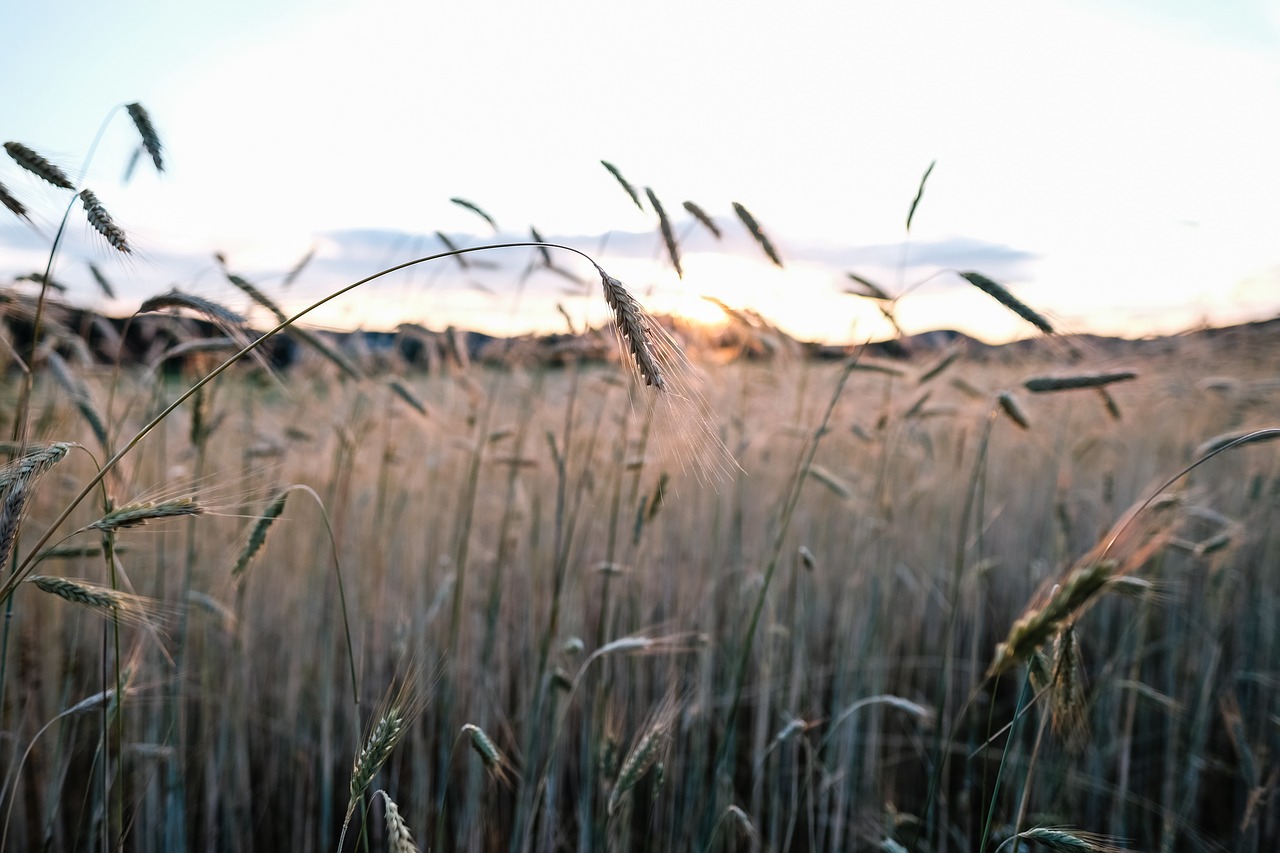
{"x": 976, "y": 599}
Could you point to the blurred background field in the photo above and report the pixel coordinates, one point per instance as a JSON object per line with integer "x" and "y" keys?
{"x": 492, "y": 544}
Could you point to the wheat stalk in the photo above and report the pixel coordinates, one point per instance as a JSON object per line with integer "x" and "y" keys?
{"x": 305, "y": 335}
{"x": 16, "y": 207}
{"x": 701, "y": 215}
{"x": 633, "y": 325}
{"x": 292, "y": 275}
{"x": 1009, "y": 405}
{"x": 870, "y": 289}
{"x": 998, "y": 292}
{"x": 103, "y": 223}
{"x": 915, "y": 202}
{"x": 38, "y": 166}
{"x": 177, "y": 299}
{"x": 1235, "y": 439}
{"x": 258, "y": 535}
{"x": 645, "y": 753}
{"x": 147, "y": 130}
{"x": 1045, "y": 384}
{"x": 107, "y": 601}
{"x": 474, "y": 208}
{"x": 453, "y": 247}
{"x": 386, "y": 733}
{"x": 494, "y": 761}
{"x": 401, "y": 841}
{"x": 668, "y": 235}
{"x": 624, "y": 183}
{"x": 102, "y": 282}
{"x": 139, "y": 513}
{"x": 942, "y": 363}
{"x": 17, "y": 482}
{"x": 402, "y": 391}
{"x": 757, "y": 232}
{"x": 543, "y": 252}
{"x": 1038, "y": 624}
{"x": 1062, "y": 840}
{"x": 79, "y": 592}
{"x": 1067, "y": 700}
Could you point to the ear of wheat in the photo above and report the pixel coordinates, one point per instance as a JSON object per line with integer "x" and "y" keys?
{"x": 103, "y": 223}
{"x": 757, "y": 233}
{"x": 140, "y": 512}
{"x": 668, "y": 235}
{"x": 398, "y": 836}
{"x": 147, "y": 130}
{"x": 915, "y": 202}
{"x": 998, "y": 292}
{"x": 1012, "y": 410}
{"x": 92, "y": 596}
{"x": 497, "y": 765}
{"x": 634, "y": 328}
{"x": 15, "y": 207}
{"x": 224, "y": 317}
{"x": 477, "y": 210}
{"x": 645, "y": 753}
{"x": 17, "y": 482}
{"x": 624, "y": 183}
{"x": 1044, "y": 384}
{"x": 870, "y": 290}
{"x": 38, "y": 166}
{"x": 1064, "y": 840}
{"x": 701, "y": 215}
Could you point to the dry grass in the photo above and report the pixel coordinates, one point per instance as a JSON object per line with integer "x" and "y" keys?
{"x": 538, "y": 538}
{"x": 857, "y": 617}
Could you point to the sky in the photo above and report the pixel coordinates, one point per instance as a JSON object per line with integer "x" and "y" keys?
{"x": 1113, "y": 163}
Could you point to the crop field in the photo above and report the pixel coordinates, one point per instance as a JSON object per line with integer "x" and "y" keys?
{"x": 963, "y": 598}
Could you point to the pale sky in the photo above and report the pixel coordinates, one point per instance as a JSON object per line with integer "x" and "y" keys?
{"x": 1114, "y": 163}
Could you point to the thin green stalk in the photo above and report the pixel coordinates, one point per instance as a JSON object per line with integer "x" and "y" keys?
{"x": 1004, "y": 757}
